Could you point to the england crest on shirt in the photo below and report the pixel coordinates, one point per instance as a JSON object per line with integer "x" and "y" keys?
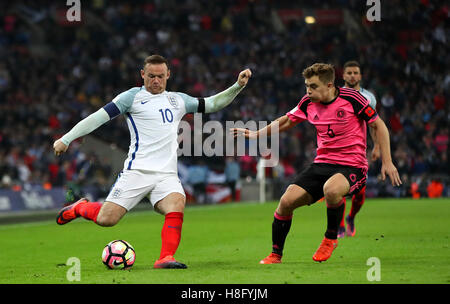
{"x": 173, "y": 101}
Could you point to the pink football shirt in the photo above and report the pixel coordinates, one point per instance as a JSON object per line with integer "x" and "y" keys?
{"x": 341, "y": 127}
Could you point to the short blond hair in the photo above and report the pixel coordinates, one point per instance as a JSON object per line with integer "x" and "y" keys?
{"x": 324, "y": 71}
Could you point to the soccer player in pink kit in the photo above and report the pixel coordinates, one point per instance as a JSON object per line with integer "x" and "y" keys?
{"x": 340, "y": 116}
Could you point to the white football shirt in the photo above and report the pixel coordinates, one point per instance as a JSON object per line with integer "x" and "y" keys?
{"x": 153, "y": 124}
{"x": 153, "y": 121}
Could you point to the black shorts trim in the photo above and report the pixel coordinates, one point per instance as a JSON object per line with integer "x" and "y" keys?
{"x": 314, "y": 177}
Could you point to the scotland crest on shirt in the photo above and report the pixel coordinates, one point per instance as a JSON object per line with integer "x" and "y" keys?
{"x": 173, "y": 101}
{"x": 340, "y": 113}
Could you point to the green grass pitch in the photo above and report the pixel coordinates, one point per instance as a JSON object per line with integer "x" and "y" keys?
{"x": 223, "y": 244}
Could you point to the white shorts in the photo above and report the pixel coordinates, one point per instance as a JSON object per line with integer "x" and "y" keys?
{"x": 132, "y": 186}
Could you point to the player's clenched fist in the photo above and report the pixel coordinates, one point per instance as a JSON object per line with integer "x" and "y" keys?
{"x": 59, "y": 147}
{"x": 244, "y": 77}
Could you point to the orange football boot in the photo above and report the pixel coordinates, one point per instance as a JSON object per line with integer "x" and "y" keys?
{"x": 68, "y": 213}
{"x": 325, "y": 250}
{"x": 169, "y": 262}
{"x": 272, "y": 258}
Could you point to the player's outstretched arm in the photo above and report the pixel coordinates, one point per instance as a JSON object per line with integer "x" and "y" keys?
{"x": 219, "y": 101}
{"x": 224, "y": 98}
{"x": 82, "y": 128}
{"x": 376, "y": 147}
{"x": 382, "y": 139}
{"x": 282, "y": 123}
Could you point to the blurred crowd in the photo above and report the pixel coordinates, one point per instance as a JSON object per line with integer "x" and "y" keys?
{"x": 53, "y": 73}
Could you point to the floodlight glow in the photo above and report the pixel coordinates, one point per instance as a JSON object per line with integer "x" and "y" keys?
{"x": 310, "y": 19}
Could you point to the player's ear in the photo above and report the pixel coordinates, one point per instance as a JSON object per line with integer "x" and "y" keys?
{"x": 168, "y": 74}
{"x": 142, "y": 73}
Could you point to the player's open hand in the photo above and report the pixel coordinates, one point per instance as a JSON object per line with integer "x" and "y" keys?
{"x": 391, "y": 171}
{"x": 244, "y": 76}
{"x": 244, "y": 132}
{"x": 59, "y": 147}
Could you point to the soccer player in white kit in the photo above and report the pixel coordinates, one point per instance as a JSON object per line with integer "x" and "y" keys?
{"x": 352, "y": 79}
{"x": 153, "y": 115}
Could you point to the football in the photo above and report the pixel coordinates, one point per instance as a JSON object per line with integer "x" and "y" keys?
{"x": 118, "y": 254}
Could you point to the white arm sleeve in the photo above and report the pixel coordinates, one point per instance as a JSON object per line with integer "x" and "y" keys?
{"x": 212, "y": 103}
{"x": 222, "y": 99}
{"x": 86, "y": 126}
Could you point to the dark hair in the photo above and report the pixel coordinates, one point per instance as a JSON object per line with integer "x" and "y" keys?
{"x": 352, "y": 63}
{"x": 325, "y": 72}
{"x": 156, "y": 59}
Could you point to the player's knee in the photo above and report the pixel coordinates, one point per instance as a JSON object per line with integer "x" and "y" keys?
{"x": 110, "y": 214}
{"x": 332, "y": 194}
{"x": 107, "y": 220}
{"x": 293, "y": 198}
{"x": 286, "y": 204}
{"x": 285, "y": 201}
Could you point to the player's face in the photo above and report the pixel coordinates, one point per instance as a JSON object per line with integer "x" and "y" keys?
{"x": 155, "y": 77}
{"x": 352, "y": 76}
{"x": 317, "y": 90}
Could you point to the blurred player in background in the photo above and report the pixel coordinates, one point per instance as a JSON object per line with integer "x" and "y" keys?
{"x": 340, "y": 116}
{"x": 153, "y": 115}
{"x": 352, "y": 79}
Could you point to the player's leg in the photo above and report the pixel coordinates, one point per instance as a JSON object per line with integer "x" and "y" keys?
{"x": 107, "y": 214}
{"x": 169, "y": 199}
{"x": 110, "y": 214}
{"x": 172, "y": 207}
{"x": 305, "y": 190}
{"x": 357, "y": 202}
{"x": 81, "y": 208}
{"x": 341, "y": 229}
{"x": 294, "y": 197}
{"x": 120, "y": 199}
{"x": 334, "y": 190}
